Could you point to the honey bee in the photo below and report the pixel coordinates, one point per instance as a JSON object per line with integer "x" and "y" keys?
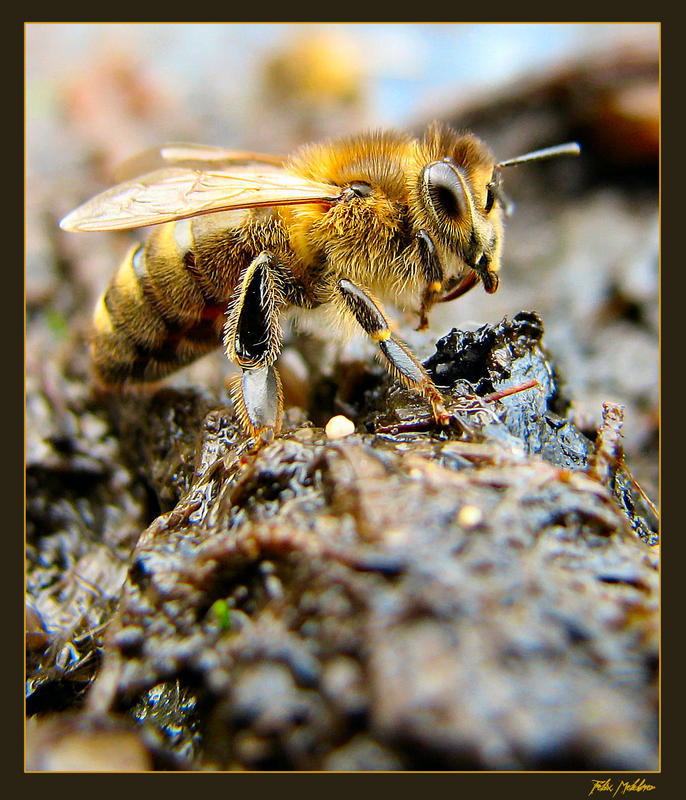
{"x": 238, "y": 238}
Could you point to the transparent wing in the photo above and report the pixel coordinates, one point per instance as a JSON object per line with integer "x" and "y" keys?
{"x": 192, "y": 156}
{"x": 179, "y": 192}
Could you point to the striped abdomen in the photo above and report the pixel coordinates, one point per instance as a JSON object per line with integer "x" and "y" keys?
{"x": 165, "y": 306}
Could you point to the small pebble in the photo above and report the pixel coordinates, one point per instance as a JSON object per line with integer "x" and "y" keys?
{"x": 470, "y": 516}
{"x": 339, "y": 426}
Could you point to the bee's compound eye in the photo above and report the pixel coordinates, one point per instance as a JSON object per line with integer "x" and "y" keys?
{"x": 445, "y": 188}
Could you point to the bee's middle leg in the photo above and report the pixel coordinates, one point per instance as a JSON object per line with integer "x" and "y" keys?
{"x": 252, "y": 337}
{"x": 402, "y": 363}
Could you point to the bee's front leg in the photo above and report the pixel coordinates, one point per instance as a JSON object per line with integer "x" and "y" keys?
{"x": 433, "y": 275}
{"x": 402, "y": 363}
{"x": 252, "y": 337}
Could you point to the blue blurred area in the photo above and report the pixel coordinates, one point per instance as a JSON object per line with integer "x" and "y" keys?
{"x": 408, "y": 65}
{"x": 420, "y": 65}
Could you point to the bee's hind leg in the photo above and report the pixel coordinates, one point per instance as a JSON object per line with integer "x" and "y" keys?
{"x": 402, "y": 363}
{"x": 252, "y": 337}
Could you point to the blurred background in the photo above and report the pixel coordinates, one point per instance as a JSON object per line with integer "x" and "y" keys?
{"x": 582, "y": 248}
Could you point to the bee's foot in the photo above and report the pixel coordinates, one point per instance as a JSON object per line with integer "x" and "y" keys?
{"x": 444, "y": 419}
{"x": 261, "y": 438}
{"x": 441, "y": 415}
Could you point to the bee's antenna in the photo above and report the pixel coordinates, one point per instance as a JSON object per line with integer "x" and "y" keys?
{"x": 567, "y": 149}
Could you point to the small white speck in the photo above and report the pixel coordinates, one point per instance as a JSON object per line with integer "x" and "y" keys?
{"x": 470, "y": 516}
{"x": 339, "y": 426}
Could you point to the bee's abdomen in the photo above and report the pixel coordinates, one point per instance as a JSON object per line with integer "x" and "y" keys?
{"x": 160, "y": 311}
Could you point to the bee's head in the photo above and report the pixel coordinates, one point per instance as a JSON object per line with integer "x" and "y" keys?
{"x": 459, "y": 207}
{"x": 460, "y": 213}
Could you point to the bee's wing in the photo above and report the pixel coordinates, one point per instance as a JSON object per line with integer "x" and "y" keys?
{"x": 178, "y": 192}
{"x": 177, "y": 152}
{"x": 189, "y": 155}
